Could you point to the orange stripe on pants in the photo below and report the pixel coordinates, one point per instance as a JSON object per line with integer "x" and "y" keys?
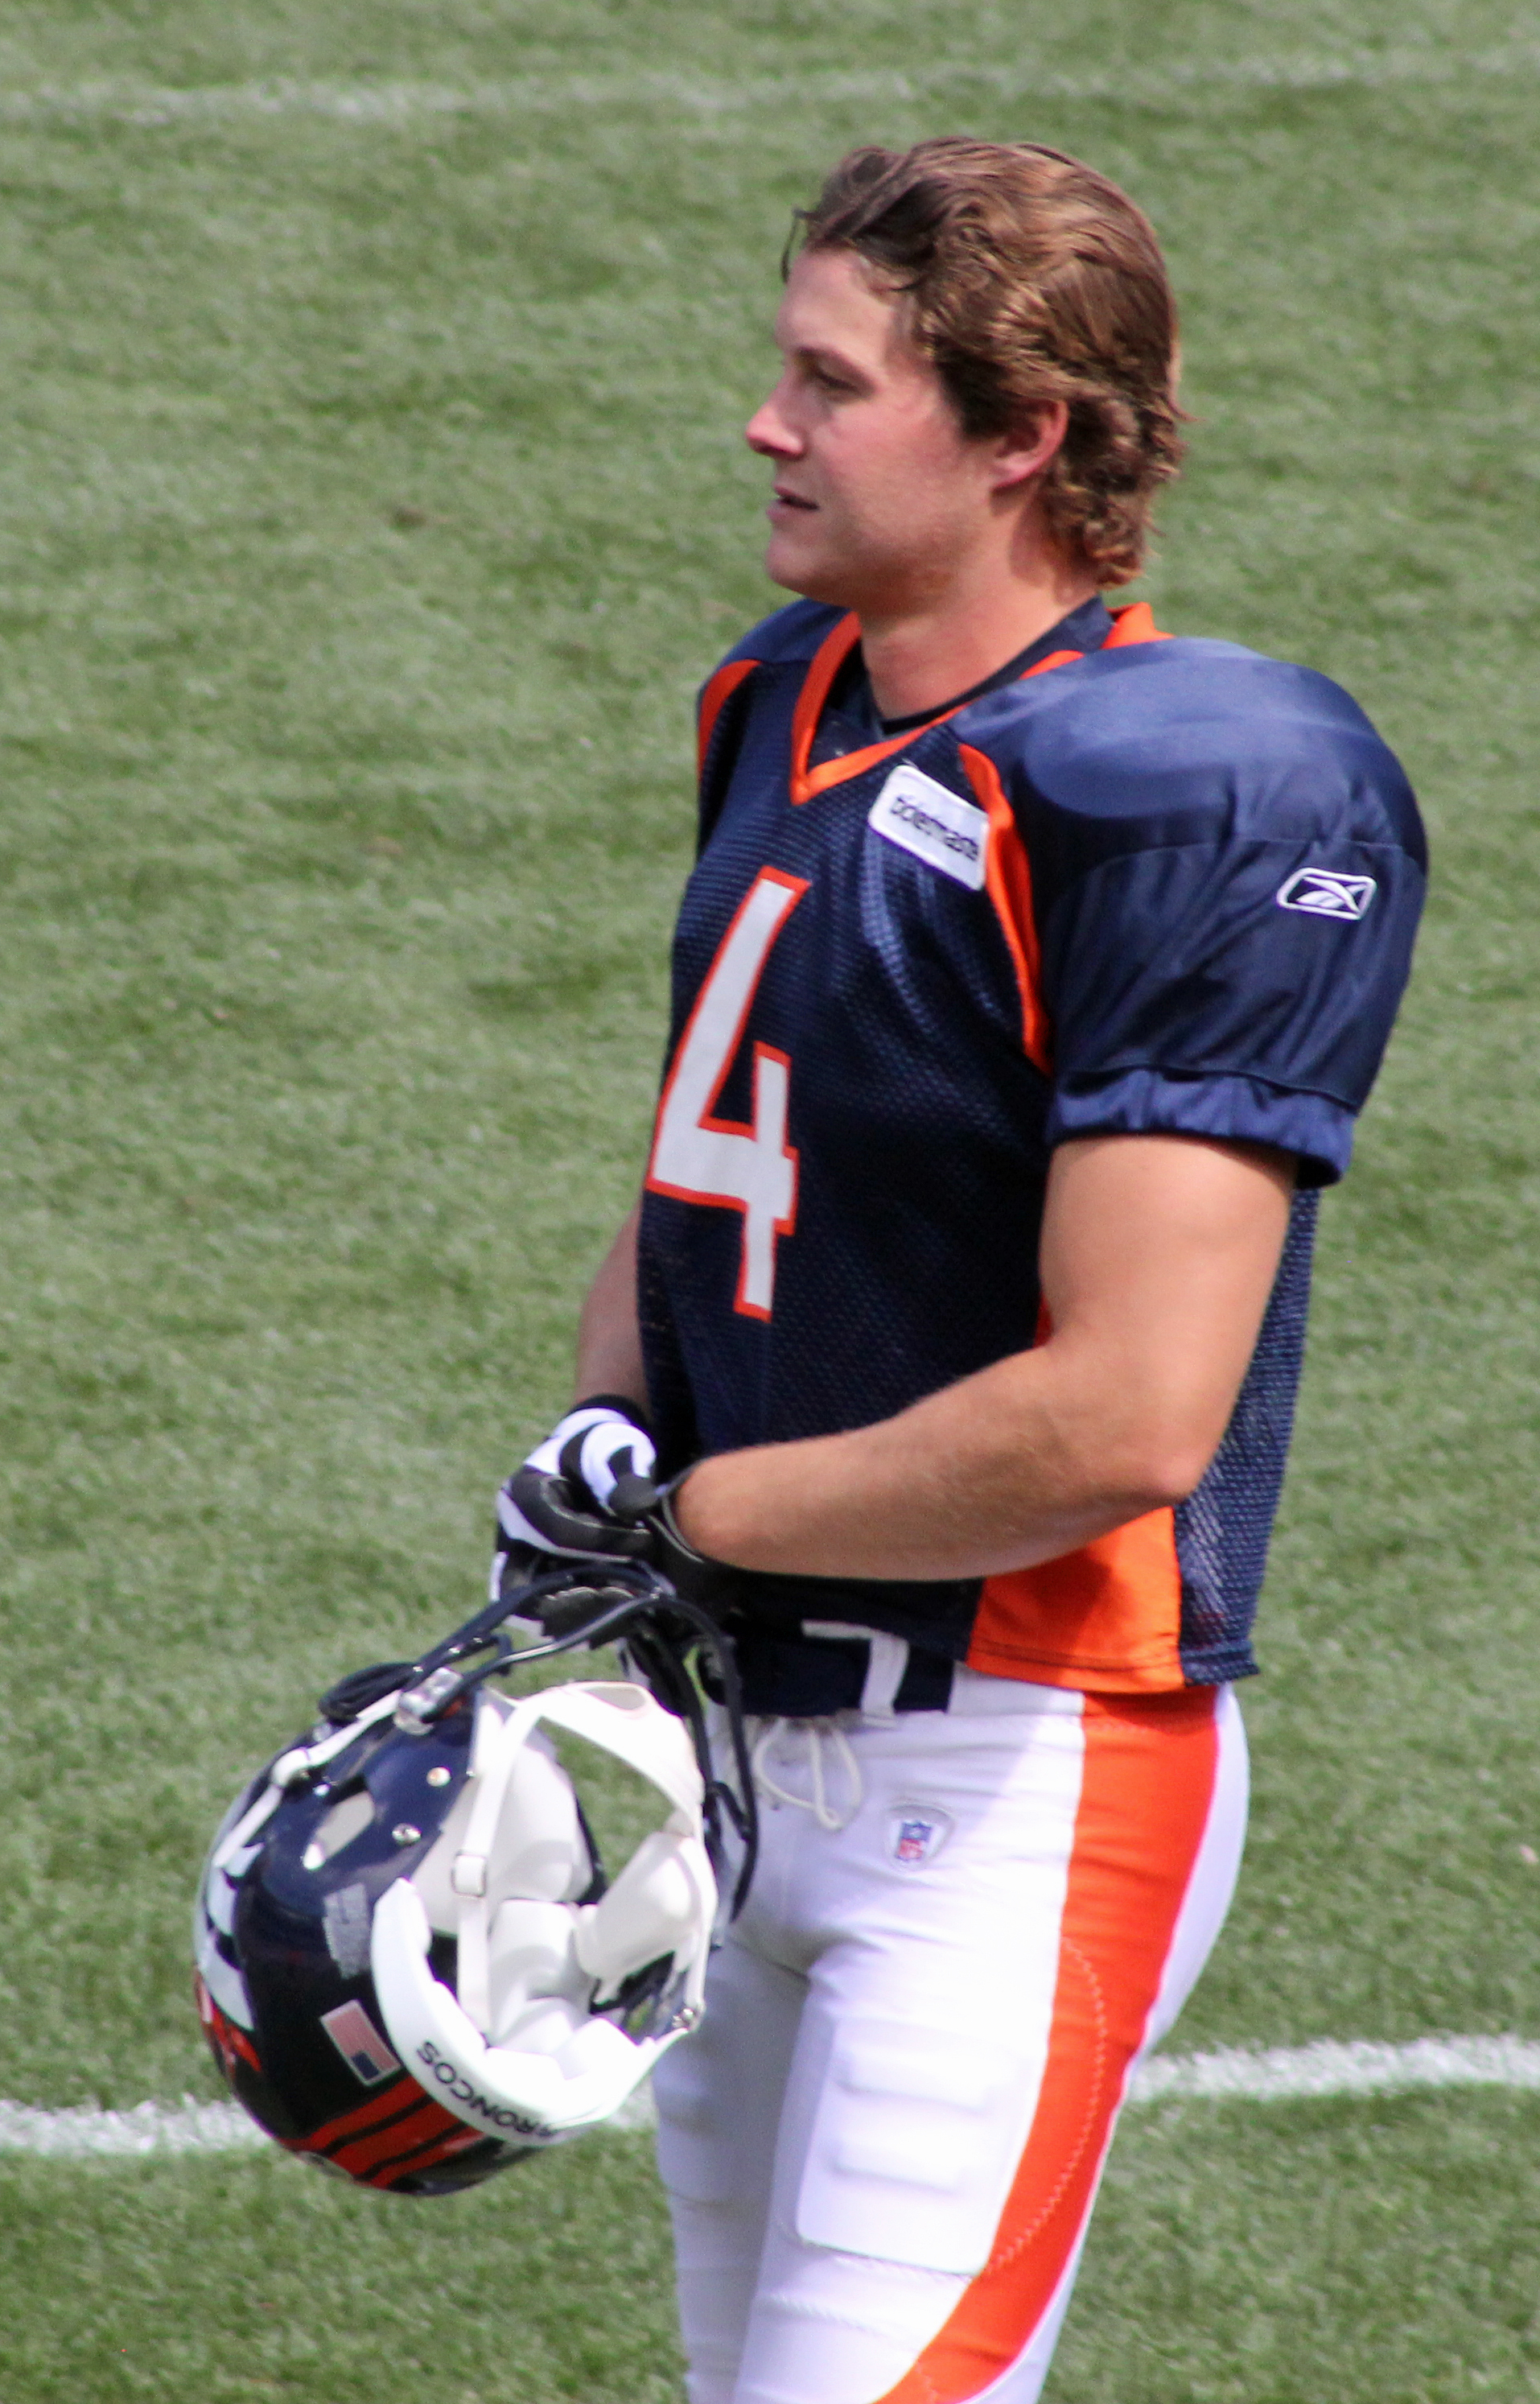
{"x": 1148, "y": 1783}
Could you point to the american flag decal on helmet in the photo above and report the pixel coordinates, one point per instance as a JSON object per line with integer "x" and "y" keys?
{"x": 359, "y": 2043}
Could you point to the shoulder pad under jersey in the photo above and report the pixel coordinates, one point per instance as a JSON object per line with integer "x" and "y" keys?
{"x": 1187, "y": 740}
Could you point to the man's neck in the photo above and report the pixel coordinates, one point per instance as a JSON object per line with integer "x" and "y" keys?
{"x": 919, "y": 659}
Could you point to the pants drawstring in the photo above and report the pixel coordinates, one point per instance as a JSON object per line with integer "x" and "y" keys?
{"x": 819, "y": 1733}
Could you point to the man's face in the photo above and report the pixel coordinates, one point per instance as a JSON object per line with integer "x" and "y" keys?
{"x": 879, "y": 495}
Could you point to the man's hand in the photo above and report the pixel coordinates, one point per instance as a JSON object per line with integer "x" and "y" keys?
{"x": 582, "y": 1491}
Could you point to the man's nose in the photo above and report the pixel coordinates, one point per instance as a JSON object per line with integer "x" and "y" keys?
{"x": 768, "y": 432}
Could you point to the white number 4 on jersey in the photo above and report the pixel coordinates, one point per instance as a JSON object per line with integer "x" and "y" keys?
{"x": 700, "y": 1158}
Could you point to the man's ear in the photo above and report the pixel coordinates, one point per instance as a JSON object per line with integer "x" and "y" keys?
{"x": 1027, "y": 451}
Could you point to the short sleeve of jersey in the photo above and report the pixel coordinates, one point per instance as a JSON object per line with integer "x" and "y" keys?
{"x": 1227, "y": 870}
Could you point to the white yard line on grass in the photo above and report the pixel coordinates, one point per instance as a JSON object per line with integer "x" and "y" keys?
{"x": 1279, "y": 2075}
{"x": 80, "y": 2135}
{"x": 1327, "y": 2068}
{"x": 398, "y": 103}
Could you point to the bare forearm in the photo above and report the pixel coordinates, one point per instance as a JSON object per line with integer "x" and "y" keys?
{"x": 1158, "y": 1254}
{"x": 995, "y": 1473}
{"x": 609, "y": 1341}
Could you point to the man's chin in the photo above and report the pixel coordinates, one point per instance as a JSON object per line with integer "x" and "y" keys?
{"x": 797, "y": 567}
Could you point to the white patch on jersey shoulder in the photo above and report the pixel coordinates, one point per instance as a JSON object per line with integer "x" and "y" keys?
{"x": 920, "y": 816}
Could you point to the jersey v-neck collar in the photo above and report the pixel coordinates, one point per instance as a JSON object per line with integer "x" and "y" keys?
{"x": 1085, "y": 628}
{"x": 1132, "y": 625}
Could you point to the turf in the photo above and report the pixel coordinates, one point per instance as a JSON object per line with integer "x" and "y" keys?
{"x": 1381, "y": 2251}
{"x": 371, "y": 502}
{"x": 316, "y": 2295}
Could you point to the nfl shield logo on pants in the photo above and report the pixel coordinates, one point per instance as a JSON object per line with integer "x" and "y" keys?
{"x": 916, "y": 1833}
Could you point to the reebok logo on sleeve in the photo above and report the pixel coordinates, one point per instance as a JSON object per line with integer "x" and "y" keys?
{"x": 920, "y": 816}
{"x": 1325, "y": 893}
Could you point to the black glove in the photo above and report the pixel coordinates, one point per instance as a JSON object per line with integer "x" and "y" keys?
{"x": 582, "y": 1492}
{"x": 716, "y": 1586}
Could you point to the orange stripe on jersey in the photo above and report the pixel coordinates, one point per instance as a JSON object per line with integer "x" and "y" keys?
{"x": 1145, "y": 1793}
{"x": 854, "y": 763}
{"x": 1106, "y": 1617}
{"x": 825, "y": 665}
{"x": 1133, "y": 624}
{"x": 828, "y": 660}
{"x": 719, "y": 690}
{"x": 1008, "y": 878}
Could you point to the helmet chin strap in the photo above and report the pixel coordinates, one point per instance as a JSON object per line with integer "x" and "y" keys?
{"x": 663, "y": 1903}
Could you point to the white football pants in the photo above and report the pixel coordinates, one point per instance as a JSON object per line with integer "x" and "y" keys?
{"x": 883, "y": 2146}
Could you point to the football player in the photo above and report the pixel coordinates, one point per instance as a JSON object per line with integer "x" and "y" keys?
{"x": 1033, "y": 970}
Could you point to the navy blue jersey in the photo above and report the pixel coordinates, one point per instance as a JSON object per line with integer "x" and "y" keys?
{"x": 1156, "y": 885}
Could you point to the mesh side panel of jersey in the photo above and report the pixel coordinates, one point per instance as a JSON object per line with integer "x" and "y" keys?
{"x": 1223, "y": 1527}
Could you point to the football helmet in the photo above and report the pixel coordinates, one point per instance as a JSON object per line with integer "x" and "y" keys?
{"x": 410, "y": 1965}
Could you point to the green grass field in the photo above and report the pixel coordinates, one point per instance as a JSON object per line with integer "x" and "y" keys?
{"x": 371, "y": 501}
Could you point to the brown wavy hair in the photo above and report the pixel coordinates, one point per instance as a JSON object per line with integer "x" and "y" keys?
{"x": 1029, "y": 278}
